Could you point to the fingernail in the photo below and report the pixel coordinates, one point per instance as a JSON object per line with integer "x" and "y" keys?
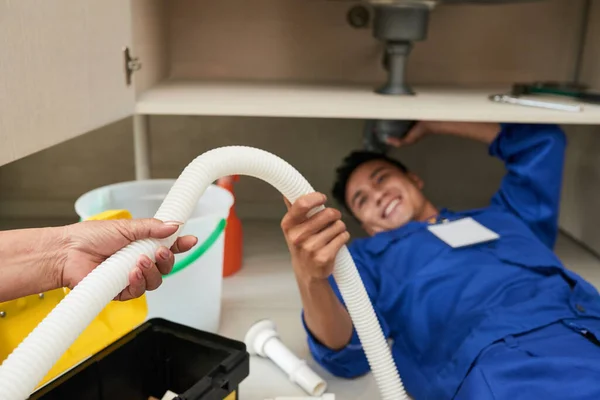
{"x": 139, "y": 274}
{"x": 146, "y": 263}
{"x": 164, "y": 253}
{"x": 173, "y": 223}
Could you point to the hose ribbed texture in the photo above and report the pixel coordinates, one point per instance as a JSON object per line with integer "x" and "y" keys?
{"x": 42, "y": 348}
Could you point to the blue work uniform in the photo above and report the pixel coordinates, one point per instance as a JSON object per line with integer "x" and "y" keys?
{"x": 502, "y": 319}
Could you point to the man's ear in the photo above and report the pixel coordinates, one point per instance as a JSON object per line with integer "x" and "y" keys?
{"x": 416, "y": 180}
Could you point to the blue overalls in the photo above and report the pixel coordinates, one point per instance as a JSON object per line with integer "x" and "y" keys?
{"x": 497, "y": 320}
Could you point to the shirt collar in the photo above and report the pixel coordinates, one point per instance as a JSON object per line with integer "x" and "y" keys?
{"x": 381, "y": 240}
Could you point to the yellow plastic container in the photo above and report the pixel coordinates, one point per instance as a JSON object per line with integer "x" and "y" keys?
{"x": 21, "y": 316}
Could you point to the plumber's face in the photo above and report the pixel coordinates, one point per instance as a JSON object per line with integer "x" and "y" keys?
{"x": 383, "y": 197}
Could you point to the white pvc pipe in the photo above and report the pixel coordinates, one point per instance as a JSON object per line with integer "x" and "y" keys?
{"x": 287, "y": 361}
{"x": 42, "y": 348}
{"x": 262, "y": 339}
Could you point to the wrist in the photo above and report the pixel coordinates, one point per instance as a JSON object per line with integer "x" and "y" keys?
{"x": 306, "y": 281}
{"x": 483, "y": 132}
{"x": 54, "y": 255}
{"x": 31, "y": 261}
{"x": 314, "y": 291}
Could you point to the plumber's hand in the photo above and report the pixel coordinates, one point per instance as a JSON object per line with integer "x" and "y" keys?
{"x": 483, "y": 132}
{"x": 87, "y": 244}
{"x": 420, "y": 130}
{"x": 313, "y": 242}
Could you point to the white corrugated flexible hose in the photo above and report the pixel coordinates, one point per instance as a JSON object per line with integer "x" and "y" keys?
{"x": 27, "y": 365}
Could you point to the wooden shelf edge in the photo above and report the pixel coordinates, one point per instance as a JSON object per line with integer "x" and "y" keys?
{"x": 292, "y": 100}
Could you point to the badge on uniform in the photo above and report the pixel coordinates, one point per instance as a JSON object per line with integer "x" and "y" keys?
{"x": 463, "y": 232}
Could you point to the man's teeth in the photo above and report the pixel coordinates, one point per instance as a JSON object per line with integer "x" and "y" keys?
{"x": 390, "y": 207}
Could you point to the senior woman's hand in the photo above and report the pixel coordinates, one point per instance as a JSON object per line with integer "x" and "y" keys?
{"x": 42, "y": 259}
{"x": 90, "y": 243}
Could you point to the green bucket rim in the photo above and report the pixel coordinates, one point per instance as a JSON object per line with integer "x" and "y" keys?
{"x": 199, "y": 250}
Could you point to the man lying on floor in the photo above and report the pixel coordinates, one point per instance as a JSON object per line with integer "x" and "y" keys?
{"x": 484, "y": 319}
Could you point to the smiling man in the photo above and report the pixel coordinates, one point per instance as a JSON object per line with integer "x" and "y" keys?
{"x": 476, "y": 303}
{"x": 383, "y": 194}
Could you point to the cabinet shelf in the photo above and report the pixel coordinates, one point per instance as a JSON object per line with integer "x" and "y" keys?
{"x": 276, "y": 99}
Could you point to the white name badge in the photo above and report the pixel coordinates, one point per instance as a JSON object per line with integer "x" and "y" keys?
{"x": 463, "y": 232}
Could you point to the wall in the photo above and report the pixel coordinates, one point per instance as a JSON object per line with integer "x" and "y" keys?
{"x": 311, "y": 40}
{"x": 47, "y": 183}
{"x": 581, "y": 188}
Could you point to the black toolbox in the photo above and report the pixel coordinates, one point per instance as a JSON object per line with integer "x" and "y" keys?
{"x": 157, "y": 356}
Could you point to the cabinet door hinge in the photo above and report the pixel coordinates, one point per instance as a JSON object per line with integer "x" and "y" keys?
{"x": 132, "y": 64}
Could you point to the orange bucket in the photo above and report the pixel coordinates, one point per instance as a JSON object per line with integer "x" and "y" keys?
{"x": 232, "y": 258}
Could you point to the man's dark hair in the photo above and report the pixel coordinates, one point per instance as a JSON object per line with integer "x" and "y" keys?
{"x": 350, "y": 163}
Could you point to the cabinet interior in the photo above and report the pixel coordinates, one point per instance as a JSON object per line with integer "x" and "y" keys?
{"x": 311, "y": 41}
{"x": 280, "y": 49}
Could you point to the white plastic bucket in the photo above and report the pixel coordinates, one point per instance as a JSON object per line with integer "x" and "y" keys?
{"x": 191, "y": 293}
